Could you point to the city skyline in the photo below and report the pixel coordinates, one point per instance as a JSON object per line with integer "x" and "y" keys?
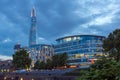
{"x": 55, "y": 18}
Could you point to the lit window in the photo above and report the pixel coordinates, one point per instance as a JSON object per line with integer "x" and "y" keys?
{"x": 21, "y": 78}
{"x": 7, "y": 70}
{"x": 46, "y": 46}
{"x": 74, "y": 38}
{"x": 67, "y": 39}
{"x": 78, "y": 56}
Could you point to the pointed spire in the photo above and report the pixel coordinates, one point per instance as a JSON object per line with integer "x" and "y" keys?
{"x": 33, "y": 12}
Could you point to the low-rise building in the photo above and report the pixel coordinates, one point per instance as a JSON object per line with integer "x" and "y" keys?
{"x": 80, "y": 48}
{"x": 6, "y": 66}
{"x": 41, "y": 52}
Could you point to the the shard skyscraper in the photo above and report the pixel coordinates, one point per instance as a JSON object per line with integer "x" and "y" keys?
{"x": 32, "y": 35}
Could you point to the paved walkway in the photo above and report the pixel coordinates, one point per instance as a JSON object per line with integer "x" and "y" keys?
{"x": 34, "y": 76}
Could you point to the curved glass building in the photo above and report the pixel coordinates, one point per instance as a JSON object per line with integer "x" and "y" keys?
{"x": 80, "y": 48}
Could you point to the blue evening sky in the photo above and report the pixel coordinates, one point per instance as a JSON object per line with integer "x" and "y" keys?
{"x": 55, "y": 18}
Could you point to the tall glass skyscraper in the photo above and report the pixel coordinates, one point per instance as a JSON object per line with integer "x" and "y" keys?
{"x": 32, "y": 36}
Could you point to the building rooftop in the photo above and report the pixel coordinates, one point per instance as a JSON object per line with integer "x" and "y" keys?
{"x": 78, "y": 36}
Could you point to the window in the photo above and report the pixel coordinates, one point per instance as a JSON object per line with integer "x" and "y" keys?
{"x": 67, "y": 39}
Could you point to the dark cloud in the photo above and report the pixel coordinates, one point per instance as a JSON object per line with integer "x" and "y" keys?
{"x": 55, "y": 18}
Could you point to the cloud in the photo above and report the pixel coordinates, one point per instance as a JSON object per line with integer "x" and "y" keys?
{"x": 6, "y": 40}
{"x": 102, "y": 15}
{"x": 4, "y": 57}
{"x": 102, "y": 20}
{"x": 42, "y": 40}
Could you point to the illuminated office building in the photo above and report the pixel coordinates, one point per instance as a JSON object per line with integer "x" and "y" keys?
{"x": 80, "y": 48}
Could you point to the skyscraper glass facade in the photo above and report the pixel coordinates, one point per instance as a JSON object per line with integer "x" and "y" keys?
{"x": 80, "y": 48}
{"x": 32, "y": 37}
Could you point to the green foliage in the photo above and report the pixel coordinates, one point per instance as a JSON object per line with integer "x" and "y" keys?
{"x": 63, "y": 59}
{"x": 55, "y": 60}
{"x": 111, "y": 45}
{"x": 59, "y": 60}
{"x": 42, "y": 65}
{"x": 21, "y": 59}
{"x": 103, "y": 70}
{"x": 49, "y": 64}
{"x": 37, "y": 64}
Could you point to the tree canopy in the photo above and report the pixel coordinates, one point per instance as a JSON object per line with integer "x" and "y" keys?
{"x": 111, "y": 45}
{"x": 105, "y": 69}
{"x": 37, "y": 64}
{"x": 21, "y": 59}
{"x": 59, "y": 60}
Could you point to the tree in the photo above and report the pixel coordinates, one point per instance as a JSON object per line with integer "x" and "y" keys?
{"x": 21, "y": 59}
{"x": 105, "y": 69}
{"x": 48, "y": 64}
{"x": 37, "y": 64}
{"x": 55, "y": 60}
{"x": 111, "y": 45}
{"x": 63, "y": 59}
{"x": 42, "y": 65}
{"x": 59, "y": 60}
